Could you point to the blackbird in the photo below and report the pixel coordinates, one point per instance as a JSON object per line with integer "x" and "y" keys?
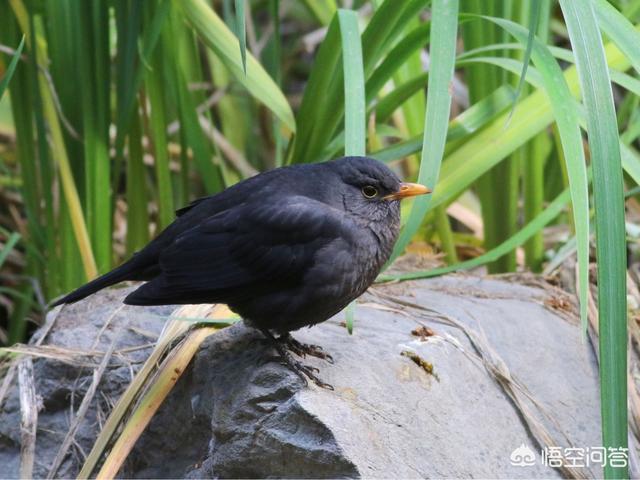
{"x": 285, "y": 249}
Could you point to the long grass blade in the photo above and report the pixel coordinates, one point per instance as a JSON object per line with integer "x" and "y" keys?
{"x": 217, "y": 36}
{"x": 620, "y": 30}
{"x": 326, "y": 66}
{"x": 355, "y": 136}
{"x": 548, "y": 214}
{"x": 241, "y": 32}
{"x": 92, "y": 67}
{"x": 443, "y": 48}
{"x": 534, "y": 18}
{"x": 176, "y": 75}
{"x": 133, "y": 44}
{"x": 8, "y": 247}
{"x": 28, "y": 114}
{"x": 58, "y": 147}
{"x": 169, "y": 372}
{"x": 275, "y": 62}
{"x": 394, "y": 99}
{"x": 176, "y": 327}
{"x": 322, "y": 10}
{"x": 137, "y": 211}
{"x": 156, "y": 130}
{"x": 567, "y": 118}
{"x": 460, "y": 128}
{"x": 319, "y": 121}
{"x": 602, "y": 127}
{"x": 11, "y": 68}
{"x": 494, "y": 142}
{"x": 496, "y": 207}
{"x": 410, "y": 118}
{"x": 354, "y": 94}
{"x": 412, "y": 42}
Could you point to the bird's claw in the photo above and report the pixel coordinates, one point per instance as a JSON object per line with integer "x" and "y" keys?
{"x": 305, "y": 372}
{"x": 304, "y": 349}
{"x": 299, "y": 368}
{"x": 309, "y": 372}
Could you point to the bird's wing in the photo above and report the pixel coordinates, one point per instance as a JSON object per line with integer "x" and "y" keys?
{"x": 182, "y": 210}
{"x": 230, "y": 197}
{"x": 252, "y": 245}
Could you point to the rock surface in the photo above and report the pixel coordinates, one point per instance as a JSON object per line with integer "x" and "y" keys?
{"x": 237, "y": 412}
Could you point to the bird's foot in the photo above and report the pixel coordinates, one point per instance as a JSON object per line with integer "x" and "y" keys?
{"x": 305, "y": 372}
{"x": 304, "y": 349}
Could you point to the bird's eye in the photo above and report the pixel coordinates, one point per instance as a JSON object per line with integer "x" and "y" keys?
{"x": 369, "y": 191}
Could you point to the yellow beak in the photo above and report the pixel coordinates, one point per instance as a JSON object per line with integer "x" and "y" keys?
{"x": 408, "y": 190}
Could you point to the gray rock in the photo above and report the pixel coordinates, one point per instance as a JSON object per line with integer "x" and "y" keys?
{"x": 238, "y": 412}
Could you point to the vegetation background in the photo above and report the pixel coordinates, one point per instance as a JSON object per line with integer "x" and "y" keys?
{"x": 120, "y": 111}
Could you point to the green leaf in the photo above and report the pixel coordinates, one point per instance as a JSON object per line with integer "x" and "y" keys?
{"x": 191, "y": 132}
{"x": 8, "y": 246}
{"x": 92, "y": 66}
{"x": 137, "y": 211}
{"x": 630, "y": 162}
{"x": 620, "y": 30}
{"x": 58, "y": 148}
{"x": 311, "y": 115}
{"x": 480, "y": 113}
{"x": 354, "y": 124}
{"x": 609, "y": 220}
{"x": 534, "y": 18}
{"x": 320, "y": 120}
{"x": 464, "y": 125}
{"x": 157, "y": 132}
{"x": 11, "y": 68}
{"x": 567, "y": 118}
{"x": 241, "y": 32}
{"x": 397, "y": 97}
{"x": 549, "y": 213}
{"x": 354, "y": 121}
{"x": 444, "y": 16}
{"x": 217, "y": 36}
{"x": 130, "y": 76}
{"x": 323, "y": 10}
{"x": 509, "y": 64}
{"x": 412, "y": 42}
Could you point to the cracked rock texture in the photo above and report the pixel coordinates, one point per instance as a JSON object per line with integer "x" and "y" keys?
{"x": 238, "y": 412}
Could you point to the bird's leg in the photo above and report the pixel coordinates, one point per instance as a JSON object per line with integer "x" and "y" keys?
{"x": 303, "y": 371}
{"x": 304, "y": 349}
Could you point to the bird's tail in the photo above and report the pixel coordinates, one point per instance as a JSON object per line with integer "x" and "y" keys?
{"x": 127, "y": 271}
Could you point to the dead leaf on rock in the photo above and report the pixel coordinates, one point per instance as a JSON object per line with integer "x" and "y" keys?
{"x": 423, "y": 332}
{"x": 421, "y": 362}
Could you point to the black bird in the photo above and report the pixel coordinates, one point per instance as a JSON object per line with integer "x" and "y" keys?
{"x": 285, "y": 249}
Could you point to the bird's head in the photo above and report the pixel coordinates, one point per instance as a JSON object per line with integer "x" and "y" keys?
{"x": 370, "y": 189}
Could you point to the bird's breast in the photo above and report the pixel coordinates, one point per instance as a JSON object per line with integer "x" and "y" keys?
{"x": 340, "y": 272}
